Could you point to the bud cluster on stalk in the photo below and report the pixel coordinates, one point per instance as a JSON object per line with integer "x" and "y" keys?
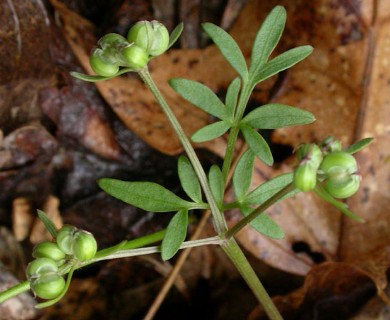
{"x": 145, "y": 40}
{"x": 43, "y": 273}
{"x": 328, "y": 165}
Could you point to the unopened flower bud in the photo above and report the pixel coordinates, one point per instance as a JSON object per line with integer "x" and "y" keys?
{"x": 84, "y": 245}
{"x": 343, "y": 189}
{"x": 152, "y": 36}
{"x": 48, "y": 249}
{"x": 101, "y": 64}
{"x": 65, "y": 238}
{"x": 134, "y": 56}
{"x": 305, "y": 177}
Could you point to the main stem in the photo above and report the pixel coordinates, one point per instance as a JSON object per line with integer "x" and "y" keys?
{"x": 219, "y": 220}
{"x": 230, "y": 246}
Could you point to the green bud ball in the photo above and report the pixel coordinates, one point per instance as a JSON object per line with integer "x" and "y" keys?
{"x": 330, "y": 144}
{"x": 339, "y": 166}
{"x": 112, "y": 40}
{"x": 135, "y": 57}
{"x": 101, "y": 64}
{"x": 310, "y": 153}
{"x": 84, "y": 245}
{"x": 305, "y": 177}
{"x": 65, "y": 238}
{"x": 41, "y": 266}
{"x": 48, "y": 249}
{"x": 152, "y": 36}
{"x": 344, "y": 189}
{"x": 48, "y": 286}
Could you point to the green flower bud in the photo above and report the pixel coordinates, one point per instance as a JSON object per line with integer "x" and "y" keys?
{"x": 135, "y": 57}
{"x": 41, "y": 266}
{"x": 65, "y": 238}
{"x": 112, "y": 40}
{"x": 102, "y": 64}
{"x": 344, "y": 189}
{"x": 310, "y": 153}
{"x": 48, "y": 286}
{"x": 305, "y": 177}
{"x": 152, "y": 36}
{"x": 330, "y": 144}
{"x": 84, "y": 245}
{"x": 339, "y": 166}
{"x": 48, "y": 249}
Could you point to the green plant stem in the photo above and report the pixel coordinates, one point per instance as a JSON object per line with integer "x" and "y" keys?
{"x": 135, "y": 243}
{"x": 259, "y": 210}
{"x": 219, "y": 220}
{"x": 155, "y": 249}
{"x": 14, "y": 291}
{"x": 235, "y": 254}
{"x": 233, "y": 134}
{"x": 129, "y": 248}
{"x": 229, "y": 246}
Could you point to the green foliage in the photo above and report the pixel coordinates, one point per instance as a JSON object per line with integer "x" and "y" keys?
{"x": 275, "y": 115}
{"x": 242, "y": 176}
{"x": 269, "y": 188}
{"x": 257, "y": 144}
{"x": 49, "y": 225}
{"x": 232, "y": 97}
{"x": 282, "y": 62}
{"x": 356, "y": 147}
{"x": 211, "y": 131}
{"x": 216, "y": 184}
{"x": 189, "y": 180}
{"x": 148, "y": 196}
{"x": 321, "y": 192}
{"x": 264, "y": 225}
{"x": 175, "y": 34}
{"x": 267, "y": 38}
{"x": 175, "y": 235}
{"x": 228, "y": 48}
{"x": 199, "y": 95}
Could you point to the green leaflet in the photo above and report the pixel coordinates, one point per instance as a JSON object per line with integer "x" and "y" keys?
{"x": 95, "y": 78}
{"x": 264, "y": 225}
{"x": 267, "y": 189}
{"x": 257, "y": 144}
{"x": 199, "y": 95}
{"x": 282, "y": 62}
{"x": 242, "y": 176}
{"x": 216, "y": 184}
{"x": 211, "y": 131}
{"x": 267, "y": 38}
{"x": 175, "y": 235}
{"x": 189, "y": 179}
{"x": 49, "y": 224}
{"x": 175, "y": 34}
{"x": 228, "y": 48}
{"x": 322, "y": 193}
{"x": 275, "y": 115}
{"x": 148, "y": 196}
{"x": 357, "y": 146}
{"x": 232, "y": 97}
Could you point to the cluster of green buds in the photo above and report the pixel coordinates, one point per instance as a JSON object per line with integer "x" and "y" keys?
{"x": 71, "y": 246}
{"x": 145, "y": 40}
{"x": 328, "y": 165}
